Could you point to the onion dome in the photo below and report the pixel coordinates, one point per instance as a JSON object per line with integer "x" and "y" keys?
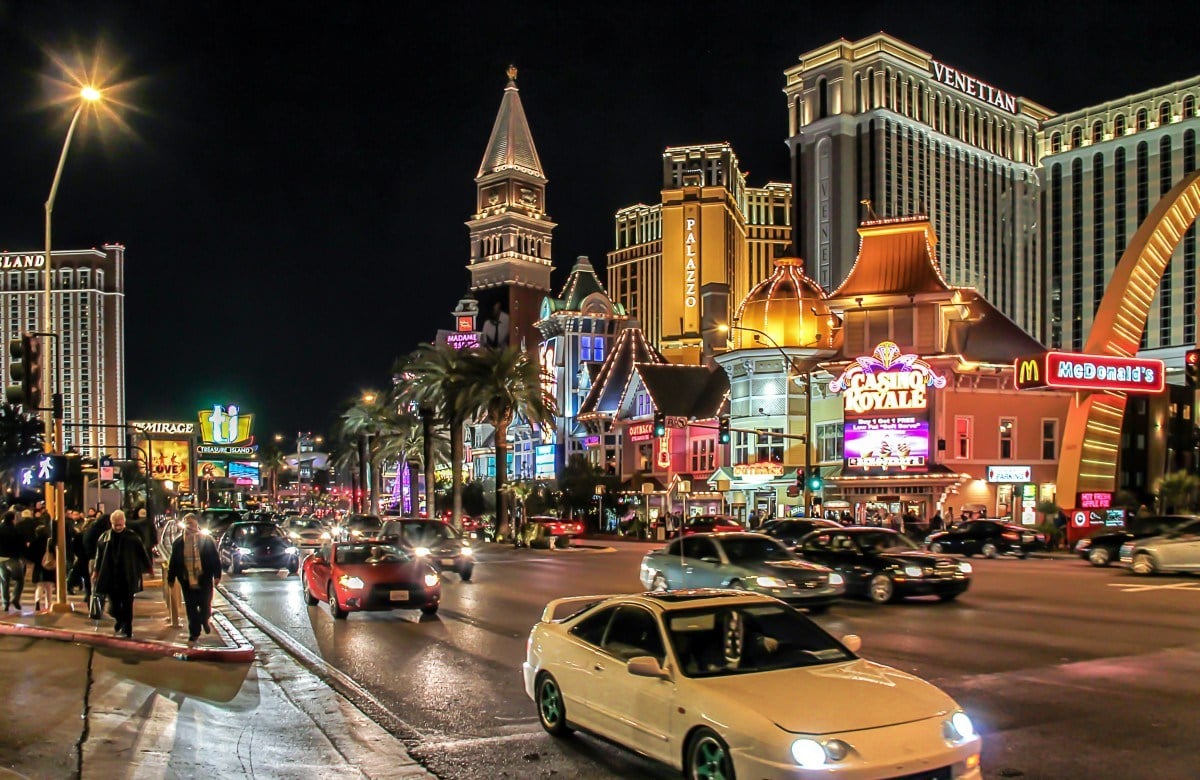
{"x": 789, "y": 308}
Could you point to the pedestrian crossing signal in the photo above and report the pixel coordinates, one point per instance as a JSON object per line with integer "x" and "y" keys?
{"x": 1191, "y": 368}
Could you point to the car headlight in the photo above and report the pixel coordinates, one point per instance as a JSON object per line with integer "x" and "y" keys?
{"x": 293, "y": 535}
{"x": 467, "y": 550}
{"x": 324, "y": 534}
{"x": 354, "y": 583}
{"x": 808, "y": 753}
{"x": 769, "y": 582}
{"x": 245, "y": 550}
{"x": 836, "y": 579}
{"x": 421, "y": 552}
{"x": 431, "y": 580}
{"x": 965, "y": 567}
{"x": 960, "y": 728}
{"x": 912, "y": 571}
{"x": 205, "y": 532}
{"x": 290, "y": 551}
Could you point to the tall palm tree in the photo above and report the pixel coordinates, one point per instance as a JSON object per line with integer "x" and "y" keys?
{"x": 503, "y": 384}
{"x": 270, "y": 458}
{"x": 363, "y": 418}
{"x": 432, "y": 379}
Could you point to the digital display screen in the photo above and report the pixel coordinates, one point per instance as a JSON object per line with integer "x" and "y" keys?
{"x": 244, "y": 473}
{"x": 543, "y": 461}
{"x": 887, "y": 444}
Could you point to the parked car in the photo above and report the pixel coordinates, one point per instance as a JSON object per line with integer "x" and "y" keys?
{"x": 885, "y": 565}
{"x": 743, "y": 561}
{"x": 249, "y": 545}
{"x": 371, "y": 574}
{"x": 790, "y": 530}
{"x": 1105, "y": 547}
{"x": 547, "y": 531}
{"x": 721, "y": 684}
{"x": 988, "y": 538}
{"x": 1177, "y": 550}
{"x": 307, "y": 533}
{"x": 435, "y": 541}
{"x": 355, "y": 527}
{"x": 710, "y": 524}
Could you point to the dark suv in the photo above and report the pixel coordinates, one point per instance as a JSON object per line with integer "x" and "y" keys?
{"x": 988, "y": 538}
{"x": 1104, "y": 548}
{"x": 790, "y": 530}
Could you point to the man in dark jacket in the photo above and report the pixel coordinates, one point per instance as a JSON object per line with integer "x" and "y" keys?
{"x": 12, "y": 561}
{"x": 121, "y": 561}
{"x": 196, "y": 566}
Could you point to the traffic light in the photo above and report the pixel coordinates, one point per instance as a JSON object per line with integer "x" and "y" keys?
{"x": 814, "y": 479}
{"x": 723, "y": 430}
{"x": 25, "y": 371}
{"x": 660, "y": 424}
{"x": 1191, "y": 368}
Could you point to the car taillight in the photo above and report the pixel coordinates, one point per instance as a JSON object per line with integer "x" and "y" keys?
{"x": 1010, "y": 535}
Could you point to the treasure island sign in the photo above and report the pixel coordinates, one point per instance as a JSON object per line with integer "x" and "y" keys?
{"x": 886, "y": 399}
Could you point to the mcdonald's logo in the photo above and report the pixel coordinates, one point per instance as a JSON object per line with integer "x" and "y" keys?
{"x": 1029, "y": 372}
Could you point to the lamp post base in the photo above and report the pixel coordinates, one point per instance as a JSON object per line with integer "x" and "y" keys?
{"x": 59, "y": 609}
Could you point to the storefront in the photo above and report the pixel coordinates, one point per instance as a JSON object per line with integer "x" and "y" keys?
{"x": 762, "y": 490}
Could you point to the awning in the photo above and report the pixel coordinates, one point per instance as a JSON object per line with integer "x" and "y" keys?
{"x": 634, "y": 484}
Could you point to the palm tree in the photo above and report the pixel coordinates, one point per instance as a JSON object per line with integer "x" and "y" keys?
{"x": 502, "y": 384}
{"x": 361, "y": 419}
{"x": 271, "y": 459}
{"x": 1177, "y": 491}
{"x": 432, "y": 379}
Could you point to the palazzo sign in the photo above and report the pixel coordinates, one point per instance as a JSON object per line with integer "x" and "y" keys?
{"x": 969, "y": 85}
{"x": 689, "y": 261}
{"x": 1077, "y": 371}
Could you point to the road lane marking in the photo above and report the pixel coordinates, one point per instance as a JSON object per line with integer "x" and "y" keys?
{"x": 1129, "y": 587}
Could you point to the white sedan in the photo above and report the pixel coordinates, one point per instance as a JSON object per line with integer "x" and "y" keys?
{"x": 725, "y": 684}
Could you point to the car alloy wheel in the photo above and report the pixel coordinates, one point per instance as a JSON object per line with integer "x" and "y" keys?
{"x": 660, "y": 584}
{"x": 1143, "y": 564}
{"x": 988, "y": 550}
{"x": 882, "y": 589}
{"x": 552, "y": 712}
{"x": 1099, "y": 556}
{"x": 708, "y": 757}
{"x": 937, "y": 547}
{"x": 309, "y": 598}
{"x": 335, "y": 609}
{"x": 466, "y": 572}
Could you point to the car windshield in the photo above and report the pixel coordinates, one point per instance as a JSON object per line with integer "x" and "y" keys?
{"x": 255, "y": 531}
{"x": 425, "y": 534}
{"x": 749, "y": 549}
{"x": 304, "y": 525}
{"x": 745, "y": 638}
{"x": 883, "y": 540}
{"x": 369, "y": 554}
{"x": 363, "y": 521}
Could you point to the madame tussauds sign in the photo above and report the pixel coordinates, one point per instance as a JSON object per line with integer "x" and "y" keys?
{"x": 886, "y": 381}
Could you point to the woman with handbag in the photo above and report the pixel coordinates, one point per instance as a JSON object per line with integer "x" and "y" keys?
{"x": 42, "y": 551}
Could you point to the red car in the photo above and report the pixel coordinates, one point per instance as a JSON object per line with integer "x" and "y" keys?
{"x": 547, "y": 531}
{"x": 716, "y": 524}
{"x": 372, "y": 574}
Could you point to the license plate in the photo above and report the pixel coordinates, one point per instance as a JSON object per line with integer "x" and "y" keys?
{"x": 447, "y": 561}
{"x": 399, "y": 595}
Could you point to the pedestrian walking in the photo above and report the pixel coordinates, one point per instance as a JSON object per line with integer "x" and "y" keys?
{"x": 12, "y": 561}
{"x": 145, "y": 529}
{"x": 96, "y": 525}
{"x": 196, "y": 567}
{"x": 172, "y": 592}
{"x": 121, "y": 562}
{"x": 42, "y": 552}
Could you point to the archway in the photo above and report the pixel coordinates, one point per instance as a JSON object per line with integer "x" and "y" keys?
{"x": 1092, "y": 436}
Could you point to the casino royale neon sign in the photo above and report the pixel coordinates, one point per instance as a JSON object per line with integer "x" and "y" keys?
{"x": 886, "y": 380}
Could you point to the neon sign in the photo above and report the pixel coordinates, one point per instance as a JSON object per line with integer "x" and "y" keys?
{"x": 689, "y": 268}
{"x": 8, "y": 262}
{"x": 664, "y": 452}
{"x": 225, "y": 426}
{"x": 886, "y": 380}
{"x": 640, "y": 431}
{"x": 1101, "y": 500}
{"x": 762, "y": 469}
{"x": 1077, "y": 371}
{"x": 969, "y": 85}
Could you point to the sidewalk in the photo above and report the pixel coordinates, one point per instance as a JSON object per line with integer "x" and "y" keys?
{"x": 107, "y": 707}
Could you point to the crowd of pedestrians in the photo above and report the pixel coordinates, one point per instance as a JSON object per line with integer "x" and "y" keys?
{"x": 108, "y": 557}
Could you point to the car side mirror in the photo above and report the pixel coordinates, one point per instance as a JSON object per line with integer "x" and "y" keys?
{"x": 647, "y": 666}
{"x": 853, "y": 642}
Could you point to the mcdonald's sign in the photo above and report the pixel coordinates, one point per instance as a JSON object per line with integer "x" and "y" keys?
{"x": 1077, "y": 371}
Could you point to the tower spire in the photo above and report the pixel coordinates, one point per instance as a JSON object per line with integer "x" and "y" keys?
{"x": 511, "y": 144}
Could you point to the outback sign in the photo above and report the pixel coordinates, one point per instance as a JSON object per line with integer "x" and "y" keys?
{"x": 1077, "y": 371}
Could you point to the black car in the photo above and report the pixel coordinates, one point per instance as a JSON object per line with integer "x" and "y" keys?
{"x": 257, "y": 546}
{"x": 885, "y": 565}
{"x": 1104, "y": 548}
{"x": 215, "y": 521}
{"x": 988, "y": 538}
{"x": 437, "y": 542}
{"x": 790, "y": 530}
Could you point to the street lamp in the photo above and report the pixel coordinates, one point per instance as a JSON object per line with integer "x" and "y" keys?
{"x": 53, "y": 432}
{"x": 364, "y": 471}
{"x": 790, "y": 366}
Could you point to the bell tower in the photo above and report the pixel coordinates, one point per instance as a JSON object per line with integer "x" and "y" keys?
{"x": 510, "y": 230}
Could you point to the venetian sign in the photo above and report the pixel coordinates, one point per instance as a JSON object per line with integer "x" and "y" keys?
{"x": 885, "y": 381}
{"x": 1077, "y": 371}
{"x": 969, "y": 85}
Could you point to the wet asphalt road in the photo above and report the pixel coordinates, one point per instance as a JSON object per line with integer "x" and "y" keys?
{"x": 1068, "y": 670}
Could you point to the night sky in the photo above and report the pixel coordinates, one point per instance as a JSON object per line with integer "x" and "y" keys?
{"x": 292, "y": 181}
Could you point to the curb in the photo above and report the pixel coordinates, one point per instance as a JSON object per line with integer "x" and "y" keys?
{"x": 241, "y": 653}
{"x": 335, "y": 678}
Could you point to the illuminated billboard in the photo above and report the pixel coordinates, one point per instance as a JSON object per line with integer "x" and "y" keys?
{"x": 171, "y": 460}
{"x": 886, "y": 444}
{"x": 244, "y": 473}
{"x": 211, "y": 469}
{"x": 1077, "y": 371}
{"x": 543, "y": 461}
{"x": 225, "y": 425}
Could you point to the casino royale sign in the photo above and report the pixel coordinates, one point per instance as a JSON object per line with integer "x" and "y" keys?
{"x": 886, "y": 381}
{"x": 1076, "y": 371}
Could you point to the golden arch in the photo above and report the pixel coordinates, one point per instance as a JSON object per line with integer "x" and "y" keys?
{"x": 1092, "y": 438}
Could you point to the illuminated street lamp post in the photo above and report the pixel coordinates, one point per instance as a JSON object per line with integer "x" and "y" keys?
{"x": 366, "y": 480}
{"x": 52, "y": 433}
{"x": 790, "y": 366}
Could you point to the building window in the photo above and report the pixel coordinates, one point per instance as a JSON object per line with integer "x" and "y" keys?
{"x": 963, "y": 436}
{"x": 1049, "y": 439}
{"x": 829, "y": 442}
{"x": 769, "y": 449}
{"x": 598, "y": 349}
{"x": 741, "y": 447}
{"x": 1119, "y": 125}
{"x": 1008, "y": 438}
{"x": 585, "y": 347}
{"x": 644, "y": 406}
{"x": 1097, "y": 132}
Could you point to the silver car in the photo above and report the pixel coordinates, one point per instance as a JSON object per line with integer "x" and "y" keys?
{"x": 1177, "y": 550}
